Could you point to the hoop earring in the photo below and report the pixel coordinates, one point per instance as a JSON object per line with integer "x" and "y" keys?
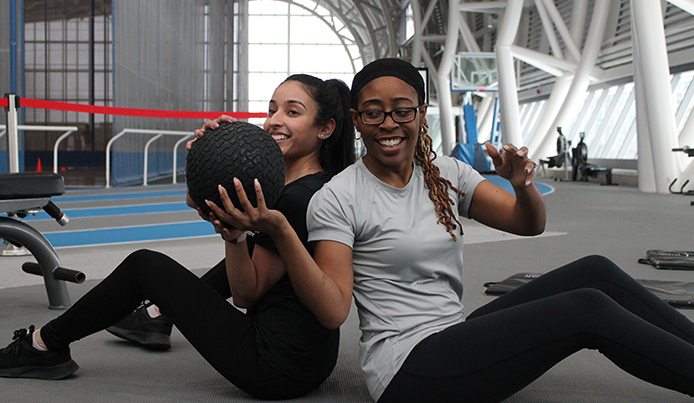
{"x": 357, "y": 135}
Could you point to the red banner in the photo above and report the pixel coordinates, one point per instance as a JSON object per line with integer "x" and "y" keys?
{"x": 107, "y": 110}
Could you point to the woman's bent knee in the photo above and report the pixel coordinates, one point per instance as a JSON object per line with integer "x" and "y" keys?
{"x": 144, "y": 261}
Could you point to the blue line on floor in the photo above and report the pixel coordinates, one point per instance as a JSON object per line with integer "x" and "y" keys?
{"x": 119, "y": 196}
{"x": 154, "y": 232}
{"x": 116, "y": 211}
{"x": 506, "y": 185}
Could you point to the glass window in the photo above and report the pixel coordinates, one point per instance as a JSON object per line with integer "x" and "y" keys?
{"x": 269, "y": 58}
{"x": 268, "y": 29}
{"x": 310, "y": 29}
{"x": 287, "y": 39}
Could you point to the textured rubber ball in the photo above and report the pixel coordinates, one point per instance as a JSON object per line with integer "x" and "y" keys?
{"x": 234, "y": 150}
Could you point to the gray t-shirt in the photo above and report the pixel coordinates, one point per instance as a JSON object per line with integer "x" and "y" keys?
{"x": 407, "y": 268}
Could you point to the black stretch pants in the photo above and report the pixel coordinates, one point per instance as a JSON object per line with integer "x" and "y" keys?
{"x": 222, "y": 334}
{"x": 506, "y": 344}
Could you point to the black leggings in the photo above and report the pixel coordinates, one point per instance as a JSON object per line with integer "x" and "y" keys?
{"x": 506, "y": 344}
{"x": 221, "y": 333}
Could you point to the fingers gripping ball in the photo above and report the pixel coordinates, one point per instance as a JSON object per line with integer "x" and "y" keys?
{"x": 234, "y": 150}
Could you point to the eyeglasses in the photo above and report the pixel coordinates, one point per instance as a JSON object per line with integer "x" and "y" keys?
{"x": 399, "y": 115}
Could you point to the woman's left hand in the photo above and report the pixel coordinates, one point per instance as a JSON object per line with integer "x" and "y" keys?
{"x": 513, "y": 164}
{"x": 259, "y": 218}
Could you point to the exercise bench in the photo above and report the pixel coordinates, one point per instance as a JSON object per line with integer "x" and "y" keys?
{"x": 579, "y": 163}
{"x": 562, "y": 157}
{"x": 27, "y": 193}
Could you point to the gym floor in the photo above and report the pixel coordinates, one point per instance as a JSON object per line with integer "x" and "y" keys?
{"x": 583, "y": 218}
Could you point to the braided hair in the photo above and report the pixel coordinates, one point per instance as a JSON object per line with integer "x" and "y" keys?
{"x": 424, "y": 154}
{"x": 438, "y": 186}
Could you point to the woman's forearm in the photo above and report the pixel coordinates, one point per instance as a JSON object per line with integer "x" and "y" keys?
{"x": 242, "y": 275}
{"x": 530, "y": 209}
{"x": 325, "y": 290}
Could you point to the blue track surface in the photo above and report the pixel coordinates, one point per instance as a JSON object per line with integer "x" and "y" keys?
{"x": 66, "y": 198}
{"x": 155, "y": 232}
{"x": 506, "y": 185}
{"x": 124, "y": 234}
{"x": 115, "y": 210}
{"x": 152, "y": 232}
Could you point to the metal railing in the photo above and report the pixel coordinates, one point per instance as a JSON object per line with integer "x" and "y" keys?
{"x": 157, "y": 135}
{"x": 67, "y": 129}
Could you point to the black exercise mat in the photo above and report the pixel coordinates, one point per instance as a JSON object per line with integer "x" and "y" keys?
{"x": 679, "y": 294}
{"x": 669, "y": 259}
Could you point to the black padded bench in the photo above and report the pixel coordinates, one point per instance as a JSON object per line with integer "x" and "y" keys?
{"x": 593, "y": 171}
{"x": 26, "y": 193}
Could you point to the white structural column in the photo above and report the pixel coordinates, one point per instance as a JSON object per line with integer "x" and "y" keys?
{"x": 441, "y": 74}
{"x": 645, "y": 162}
{"x": 543, "y": 143}
{"x": 581, "y": 79}
{"x": 417, "y": 44}
{"x": 508, "y": 95}
{"x": 485, "y": 111}
{"x": 443, "y": 77}
{"x": 686, "y": 137}
{"x": 653, "y": 79}
{"x": 686, "y": 5}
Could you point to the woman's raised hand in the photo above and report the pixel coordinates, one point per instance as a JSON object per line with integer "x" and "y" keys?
{"x": 258, "y": 218}
{"x": 228, "y": 233}
{"x": 512, "y": 164}
{"x": 210, "y": 124}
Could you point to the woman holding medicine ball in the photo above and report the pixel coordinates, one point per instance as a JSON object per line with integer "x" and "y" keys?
{"x": 309, "y": 119}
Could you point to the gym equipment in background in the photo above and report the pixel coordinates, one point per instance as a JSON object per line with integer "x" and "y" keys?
{"x": 579, "y": 163}
{"x": 679, "y": 294}
{"x": 562, "y": 157}
{"x": 687, "y": 172}
{"x": 27, "y": 193}
{"x": 669, "y": 259}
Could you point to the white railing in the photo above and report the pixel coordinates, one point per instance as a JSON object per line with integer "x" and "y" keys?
{"x": 67, "y": 129}
{"x": 157, "y": 135}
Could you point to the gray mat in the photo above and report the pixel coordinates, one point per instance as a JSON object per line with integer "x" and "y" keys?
{"x": 618, "y": 222}
{"x": 117, "y": 371}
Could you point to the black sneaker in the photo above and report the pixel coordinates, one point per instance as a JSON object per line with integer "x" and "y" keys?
{"x": 21, "y": 360}
{"x": 139, "y": 327}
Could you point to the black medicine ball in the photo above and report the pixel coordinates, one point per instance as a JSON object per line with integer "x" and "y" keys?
{"x": 234, "y": 150}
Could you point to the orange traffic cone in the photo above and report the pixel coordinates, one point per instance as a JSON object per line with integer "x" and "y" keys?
{"x": 38, "y": 166}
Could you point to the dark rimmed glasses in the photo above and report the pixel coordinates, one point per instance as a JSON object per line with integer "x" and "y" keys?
{"x": 399, "y": 115}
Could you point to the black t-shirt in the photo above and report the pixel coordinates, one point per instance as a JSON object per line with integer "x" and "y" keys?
{"x": 290, "y": 337}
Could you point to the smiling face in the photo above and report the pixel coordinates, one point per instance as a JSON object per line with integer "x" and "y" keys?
{"x": 291, "y": 122}
{"x": 390, "y": 146}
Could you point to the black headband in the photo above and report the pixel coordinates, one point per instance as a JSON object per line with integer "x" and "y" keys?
{"x": 391, "y": 68}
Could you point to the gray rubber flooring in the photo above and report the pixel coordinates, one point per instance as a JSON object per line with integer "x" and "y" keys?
{"x": 583, "y": 218}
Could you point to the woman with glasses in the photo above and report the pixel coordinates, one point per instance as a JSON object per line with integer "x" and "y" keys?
{"x": 386, "y": 232}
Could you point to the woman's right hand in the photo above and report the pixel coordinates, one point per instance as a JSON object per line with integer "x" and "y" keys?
{"x": 228, "y": 233}
{"x": 260, "y": 218}
{"x": 210, "y": 124}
